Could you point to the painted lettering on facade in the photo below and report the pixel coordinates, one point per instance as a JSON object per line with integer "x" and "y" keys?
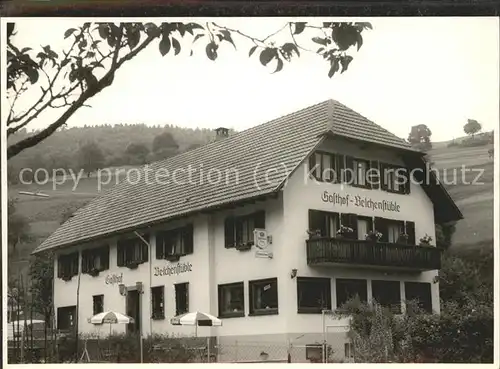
{"x": 114, "y": 278}
{"x": 176, "y": 269}
{"x": 360, "y": 202}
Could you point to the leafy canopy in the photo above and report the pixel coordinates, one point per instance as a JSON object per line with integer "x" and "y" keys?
{"x": 67, "y": 79}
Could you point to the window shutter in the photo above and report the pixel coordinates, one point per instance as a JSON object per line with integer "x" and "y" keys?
{"x": 374, "y": 178}
{"x": 120, "y": 255}
{"x": 188, "y": 239}
{"x": 260, "y": 219}
{"x": 105, "y": 257}
{"x": 410, "y": 231}
{"x": 381, "y": 226}
{"x": 85, "y": 257}
{"x": 59, "y": 267}
{"x": 160, "y": 251}
{"x": 312, "y": 164}
{"x": 229, "y": 239}
{"x": 74, "y": 263}
{"x": 383, "y": 175}
{"x": 339, "y": 165}
{"x": 144, "y": 250}
{"x": 349, "y": 169}
{"x": 407, "y": 179}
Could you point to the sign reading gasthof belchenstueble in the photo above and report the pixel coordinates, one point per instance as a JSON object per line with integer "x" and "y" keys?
{"x": 360, "y": 202}
{"x": 175, "y": 269}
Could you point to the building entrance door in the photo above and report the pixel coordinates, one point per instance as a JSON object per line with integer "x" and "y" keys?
{"x": 133, "y": 310}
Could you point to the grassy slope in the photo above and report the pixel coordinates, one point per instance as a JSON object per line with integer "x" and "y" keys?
{"x": 475, "y": 201}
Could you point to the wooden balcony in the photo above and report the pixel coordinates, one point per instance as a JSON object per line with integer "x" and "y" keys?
{"x": 325, "y": 251}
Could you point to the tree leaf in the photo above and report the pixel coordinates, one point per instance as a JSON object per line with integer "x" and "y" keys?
{"x": 252, "y": 50}
{"x": 164, "y": 45}
{"x": 321, "y": 49}
{"x": 327, "y": 24}
{"x": 321, "y": 41}
{"x": 211, "y": 50}
{"x": 176, "y": 45}
{"x": 197, "y": 37}
{"x": 366, "y": 25}
{"x": 299, "y": 27}
{"x": 192, "y": 26}
{"x": 359, "y": 40}
{"x": 227, "y": 36}
{"x": 181, "y": 27}
{"x": 103, "y": 30}
{"x": 289, "y": 47}
{"x": 32, "y": 74}
{"x": 279, "y": 66}
{"x": 46, "y": 49}
{"x": 24, "y": 49}
{"x": 267, "y": 55}
{"x": 64, "y": 62}
{"x": 133, "y": 38}
{"x": 344, "y": 62}
{"x": 69, "y": 32}
{"x": 333, "y": 68}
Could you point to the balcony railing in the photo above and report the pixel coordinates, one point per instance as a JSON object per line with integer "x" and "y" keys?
{"x": 380, "y": 254}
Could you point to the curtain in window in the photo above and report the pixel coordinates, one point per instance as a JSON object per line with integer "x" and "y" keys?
{"x": 362, "y": 228}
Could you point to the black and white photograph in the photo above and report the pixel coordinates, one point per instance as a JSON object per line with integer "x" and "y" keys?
{"x": 313, "y": 189}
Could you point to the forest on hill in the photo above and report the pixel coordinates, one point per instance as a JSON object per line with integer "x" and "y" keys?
{"x": 95, "y": 147}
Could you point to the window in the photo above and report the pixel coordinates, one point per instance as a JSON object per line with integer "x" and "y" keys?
{"x": 326, "y": 167}
{"x": 421, "y": 293}
{"x": 239, "y": 230}
{"x": 351, "y": 221}
{"x": 158, "y": 301}
{"x": 326, "y": 223}
{"x": 66, "y": 318}
{"x": 394, "y": 178}
{"x": 387, "y": 294}
{"x": 264, "y": 297}
{"x": 365, "y": 225}
{"x": 360, "y": 172}
{"x": 176, "y": 242}
{"x": 231, "y": 300}
{"x": 132, "y": 250}
{"x": 313, "y": 294}
{"x": 181, "y": 298}
{"x": 95, "y": 259}
{"x": 67, "y": 265}
{"x": 98, "y": 304}
{"x": 392, "y": 229}
{"x": 347, "y": 289}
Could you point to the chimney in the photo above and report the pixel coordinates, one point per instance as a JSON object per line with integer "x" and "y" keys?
{"x": 221, "y": 133}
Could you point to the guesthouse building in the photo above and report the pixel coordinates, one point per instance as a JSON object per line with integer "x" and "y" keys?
{"x": 264, "y": 229}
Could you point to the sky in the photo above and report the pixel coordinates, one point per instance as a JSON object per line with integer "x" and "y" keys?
{"x": 434, "y": 71}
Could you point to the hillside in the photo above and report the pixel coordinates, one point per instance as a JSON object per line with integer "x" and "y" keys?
{"x": 475, "y": 201}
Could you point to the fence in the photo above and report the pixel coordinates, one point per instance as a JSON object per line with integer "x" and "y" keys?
{"x": 163, "y": 349}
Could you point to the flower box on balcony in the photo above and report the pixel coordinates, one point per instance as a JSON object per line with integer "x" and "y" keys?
{"x": 66, "y": 278}
{"x": 172, "y": 258}
{"x": 94, "y": 272}
{"x": 244, "y": 246}
{"x": 132, "y": 265}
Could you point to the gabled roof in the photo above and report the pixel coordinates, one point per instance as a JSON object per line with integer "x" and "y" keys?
{"x": 263, "y": 157}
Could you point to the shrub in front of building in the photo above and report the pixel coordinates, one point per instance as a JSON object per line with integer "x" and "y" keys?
{"x": 125, "y": 348}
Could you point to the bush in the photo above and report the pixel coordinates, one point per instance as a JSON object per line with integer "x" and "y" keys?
{"x": 475, "y": 141}
{"x": 125, "y": 348}
{"x": 461, "y": 334}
